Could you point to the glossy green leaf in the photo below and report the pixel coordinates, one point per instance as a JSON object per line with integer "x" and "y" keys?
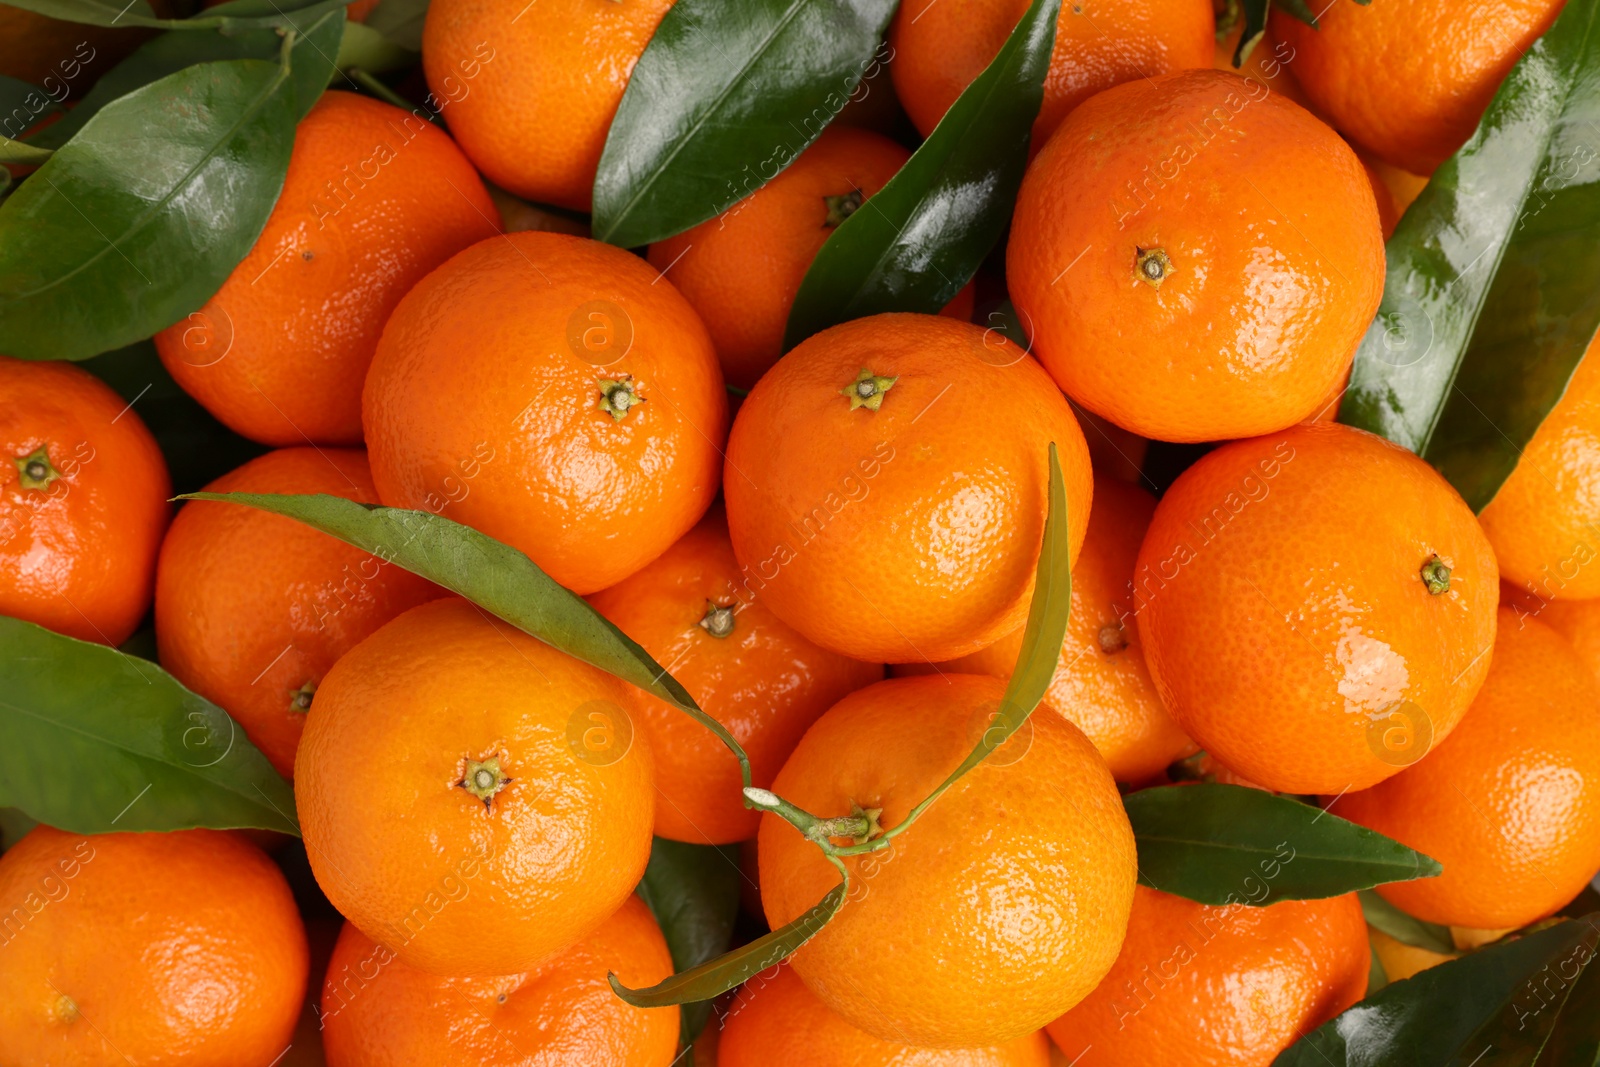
{"x": 1382, "y": 915}
{"x": 1512, "y": 1003}
{"x": 717, "y": 976}
{"x": 913, "y": 245}
{"x": 369, "y": 50}
{"x": 197, "y": 447}
{"x": 1229, "y": 844}
{"x": 1490, "y": 296}
{"x": 93, "y": 740}
{"x": 320, "y": 30}
{"x": 138, "y": 219}
{"x": 492, "y": 575}
{"x": 400, "y": 21}
{"x": 693, "y": 891}
{"x": 726, "y": 96}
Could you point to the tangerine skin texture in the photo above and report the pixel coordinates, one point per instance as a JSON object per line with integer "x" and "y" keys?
{"x": 1101, "y": 683}
{"x": 763, "y": 681}
{"x": 741, "y": 270}
{"x": 449, "y": 884}
{"x": 1005, "y": 902}
{"x": 378, "y": 1012}
{"x": 1274, "y": 248}
{"x": 1410, "y": 81}
{"x": 911, "y": 532}
{"x": 175, "y": 949}
{"x": 1219, "y": 986}
{"x": 779, "y": 1020}
{"x": 78, "y": 554}
{"x": 1510, "y": 803}
{"x": 375, "y": 198}
{"x": 531, "y": 91}
{"x": 1283, "y": 613}
{"x": 251, "y": 607}
{"x": 483, "y": 402}
{"x": 1543, "y": 522}
{"x": 941, "y": 46}
{"x": 1579, "y": 622}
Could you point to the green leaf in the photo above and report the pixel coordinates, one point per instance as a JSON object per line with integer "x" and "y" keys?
{"x": 492, "y": 575}
{"x": 1302, "y": 11}
{"x": 1516, "y": 1002}
{"x": 371, "y": 51}
{"x": 14, "y": 824}
{"x": 26, "y": 155}
{"x": 93, "y": 12}
{"x": 141, "y": 217}
{"x": 1229, "y": 844}
{"x": 400, "y": 21}
{"x": 1490, "y": 298}
{"x": 197, "y": 447}
{"x": 717, "y": 976}
{"x": 1377, "y": 977}
{"x": 93, "y": 740}
{"x": 1382, "y": 915}
{"x": 724, "y": 97}
{"x": 1254, "y": 13}
{"x": 693, "y": 890}
{"x": 913, "y": 245}
{"x": 21, "y": 105}
{"x": 320, "y": 31}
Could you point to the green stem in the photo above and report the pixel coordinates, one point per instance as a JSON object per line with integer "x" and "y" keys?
{"x": 818, "y": 831}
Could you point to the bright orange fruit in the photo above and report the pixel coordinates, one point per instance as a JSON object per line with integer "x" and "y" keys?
{"x": 1317, "y": 607}
{"x": 1197, "y": 257}
{"x": 693, "y": 612}
{"x": 886, "y": 486}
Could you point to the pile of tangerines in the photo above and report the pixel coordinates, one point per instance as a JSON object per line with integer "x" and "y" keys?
{"x": 833, "y": 550}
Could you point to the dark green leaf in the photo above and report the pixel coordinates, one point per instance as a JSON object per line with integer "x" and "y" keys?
{"x": 366, "y": 48}
{"x": 1490, "y": 296}
{"x": 13, "y": 825}
{"x": 492, "y": 575}
{"x": 1254, "y": 13}
{"x": 400, "y": 21}
{"x": 138, "y": 219}
{"x": 1229, "y": 844}
{"x": 726, "y": 96}
{"x": 693, "y": 890}
{"x": 93, "y": 740}
{"x": 21, "y": 105}
{"x": 319, "y": 27}
{"x": 1382, "y": 915}
{"x": 913, "y": 245}
{"x": 717, "y": 976}
{"x": 197, "y": 447}
{"x": 1302, "y": 10}
{"x": 93, "y": 12}
{"x": 1497, "y": 1006}
{"x": 1575, "y": 1035}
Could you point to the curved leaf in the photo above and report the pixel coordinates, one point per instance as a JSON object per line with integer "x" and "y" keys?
{"x": 141, "y": 217}
{"x": 492, "y": 575}
{"x": 1516, "y": 1002}
{"x": 1382, "y": 915}
{"x": 1229, "y": 844}
{"x": 93, "y": 740}
{"x": 913, "y": 245}
{"x": 724, "y": 97}
{"x": 693, "y": 891}
{"x": 320, "y": 30}
{"x": 1490, "y": 297}
{"x": 366, "y": 48}
{"x": 717, "y": 976}
{"x": 400, "y": 22}
{"x": 123, "y": 13}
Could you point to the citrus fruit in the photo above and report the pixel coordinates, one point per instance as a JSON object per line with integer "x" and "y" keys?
{"x": 1317, "y": 607}
{"x": 1101, "y": 683}
{"x": 471, "y": 798}
{"x": 693, "y": 612}
{"x": 1005, "y": 902}
{"x": 377, "y": 1010}
{"x": 554, "y": 393}
{"x": 84, "y": 504}
{"x": 1410, "y": 79}
{"x": 530, "y": 90}
{"x": 1270, "y": 62}
{"x": 252, "y": 609}
{"x": 1202, "y": 985}
{"x": 941, "y": 46}
{"x": 742, "y": 269}
{"x": 375, "y": 198}
{"x": 887, "y": 484}
{"x": 776, "y": 1019}
{"x": 1579, "y": 622}
{"x": 1509, "y": 804}
{"x": 1401, "y": 960}
{"x": 1198, "y": 257}
{"x": 1543, "y": 521}
{"x": 148, "y": 949}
